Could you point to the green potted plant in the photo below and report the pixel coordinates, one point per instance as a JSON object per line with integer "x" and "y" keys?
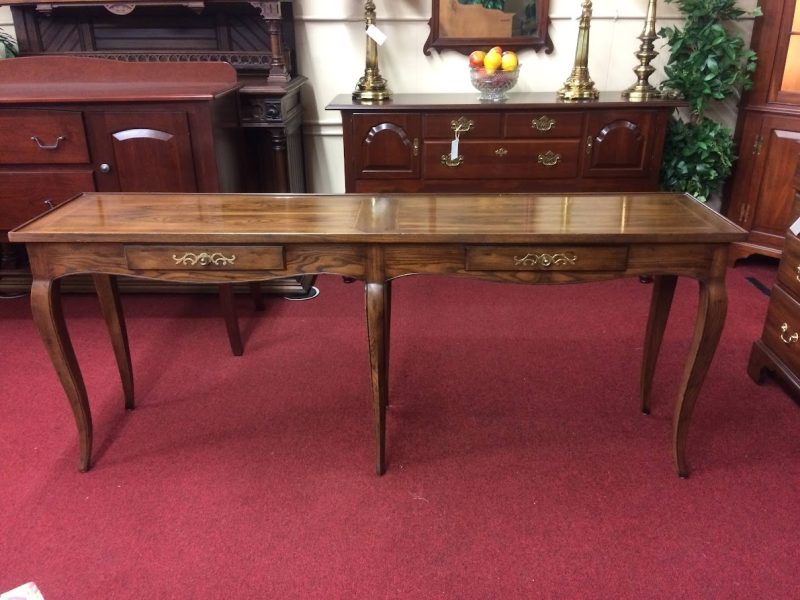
{"x": 707, "y": 65}
{"x": 8, "y": 46}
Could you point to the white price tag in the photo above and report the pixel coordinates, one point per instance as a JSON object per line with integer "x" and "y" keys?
{"x": 454, "y": 149}
{"x": 795, "y": 227}
{"x": 376, "y": 34}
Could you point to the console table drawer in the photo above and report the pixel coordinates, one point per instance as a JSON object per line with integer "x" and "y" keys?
{"x": 544, "y": 125}
{"x": 42, "y": 137}
{"x": 206, "y": 258}
{"x": 546, "y": 258}
{"x": 473, "y": 125}
{"x": 504, "y": 159}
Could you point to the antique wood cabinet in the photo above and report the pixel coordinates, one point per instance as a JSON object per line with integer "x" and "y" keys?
{"x": 761, "y": 194}
{"x": 778, "y": 350}
{"x": 74, "y": 124}
{"x": 532, "y": 142}
{"x": 257, "y": 38}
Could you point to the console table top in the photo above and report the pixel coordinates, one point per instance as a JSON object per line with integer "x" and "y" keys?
{"x": 365, "y": 218}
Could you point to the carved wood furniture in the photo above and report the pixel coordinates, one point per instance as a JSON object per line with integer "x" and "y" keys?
{"x": 515, "y": 238}
{"x": 532, "y": 142}
{"x": 761, "y": 195}
{"x": 778, "y": 350}
{"x": 76, "y": 124}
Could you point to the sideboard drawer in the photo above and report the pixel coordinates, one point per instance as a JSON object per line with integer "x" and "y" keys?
{"x": 782, "y": 328}
{"x": 474, "y": 125}
{"x": 25, "y": 194}
{"x": 205, "y": 258}
{"x": 544, "y": 125}
{"x": 507, "y": 159}
{"x": 789, "y": 268}
{"x": 546, "y": 258}
{"x": 42, "y": 137}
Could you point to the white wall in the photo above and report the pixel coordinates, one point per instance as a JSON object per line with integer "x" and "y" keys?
{"x": 331, "y": 44}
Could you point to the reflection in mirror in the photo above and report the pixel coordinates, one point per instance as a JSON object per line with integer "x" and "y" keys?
{"x": 466, "y": 25}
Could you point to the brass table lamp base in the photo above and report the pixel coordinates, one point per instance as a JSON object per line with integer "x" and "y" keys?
{"x": 372, "y": 86}
{"x": 579, "y": 86}
{"x": 641, "y": 91}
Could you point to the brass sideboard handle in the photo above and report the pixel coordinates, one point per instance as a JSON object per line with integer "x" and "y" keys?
{"x": 452, "y": 162}
{"x": 52, "y": 146}
{"x": 415, "y": 147}
{"x": 546, "y": 260}
{"x": 501, "y": 152}
{"x": 204, "y": 259}
{"x": 792, "y": 338}
{"x": 462, "y": 125}
{"x": 543, "y": 123}
{"x": 589, "y": 144}
{"x": 797, "y": 272}
{"x": 549, "y": 159}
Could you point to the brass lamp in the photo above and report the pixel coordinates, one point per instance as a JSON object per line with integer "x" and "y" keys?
{"x": 372, "y": 86}
{"x": 579, "y": 86}
{"x": 642, "y": 90}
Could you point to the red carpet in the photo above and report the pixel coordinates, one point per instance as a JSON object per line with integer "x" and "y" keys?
{"x": 519, "y": 465}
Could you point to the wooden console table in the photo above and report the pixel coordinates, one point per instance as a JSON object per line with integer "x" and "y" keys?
{"x": 535, "y": 239}
{"x": 533, "y": 142}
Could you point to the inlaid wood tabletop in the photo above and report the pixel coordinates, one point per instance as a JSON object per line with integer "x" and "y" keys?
{"x": 515, "y": 238}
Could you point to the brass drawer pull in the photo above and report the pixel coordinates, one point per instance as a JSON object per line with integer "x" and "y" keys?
{"x": 792, "y": 338}
{"x": 204, "y": 259}
{"x": 501, "y": 152}
{"x": 549, "y": 159}
{"x": 452, "y": 162}
{"x": 546, "y": 260}
{"x": 543, "y": 123}
{"x": 462, "y": 125}
{"x": 52, "y": 146}
{"x": 797, "y": 272}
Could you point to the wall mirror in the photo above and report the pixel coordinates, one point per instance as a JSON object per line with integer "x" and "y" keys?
{"x": 467, "y": 25}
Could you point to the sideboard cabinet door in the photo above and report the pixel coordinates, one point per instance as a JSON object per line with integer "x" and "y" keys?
{"x": 620, "y": 144}
{"x": 142, "y": 151}
{"x": 388, "y": 147}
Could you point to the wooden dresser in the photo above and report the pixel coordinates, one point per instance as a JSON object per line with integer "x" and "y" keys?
{"x": 532, "y": 142}
{"x": 778, "y": 350}
{"x": 74, "y": 124}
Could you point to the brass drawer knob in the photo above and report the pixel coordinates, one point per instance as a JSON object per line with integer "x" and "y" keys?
{"x": 204, "y": 259}
{"x": 790, "y": 339}
{"x": 447, "y": 161}
{"x": 501, "y": 152}
{"x": 543, "y": 123}
{"x": 549, "y": 159}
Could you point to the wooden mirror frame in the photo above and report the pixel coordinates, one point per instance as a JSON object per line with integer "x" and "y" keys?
{"x": 539, "y": 41}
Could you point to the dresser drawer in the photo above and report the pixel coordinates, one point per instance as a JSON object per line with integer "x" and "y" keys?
{"x": 476, "y": 125}
{"x": 544, "y": 125}
{"x": 782, "y": 328}
{"x": 546, "y": 258}
{"x": 205, "y": 258}
{"x": 25, "y": 194}
{"x": 789, "y": 268}
{"x": 42, "y": 137}
{"x": 502, "y": 159}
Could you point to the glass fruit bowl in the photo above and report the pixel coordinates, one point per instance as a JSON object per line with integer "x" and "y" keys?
{"x": 493, "y": 86}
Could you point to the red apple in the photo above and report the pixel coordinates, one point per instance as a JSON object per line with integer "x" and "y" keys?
{"x": 497, "y": 49}
{"x": 476, "y": 59}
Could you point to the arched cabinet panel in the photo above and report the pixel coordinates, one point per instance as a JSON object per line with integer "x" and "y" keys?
{"x": 389, "y": 149}
{"x": 619, "y": 144}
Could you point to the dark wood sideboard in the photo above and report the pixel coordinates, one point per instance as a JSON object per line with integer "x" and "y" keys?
{"x": 532, "y": 142}
{"x": 256, "y": 38}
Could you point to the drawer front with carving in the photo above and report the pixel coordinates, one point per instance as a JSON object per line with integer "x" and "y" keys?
{"x": 208, "y": 258}
{"x": 507, "y": 159}
{"x": 546, "y": 258}
{"x": 25, "y": 194}
{"x": 789, "y": 267}
{"x": 42, "y": 137}
{"x": 782, "y": 328}
{"x": 544, "y": 125}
